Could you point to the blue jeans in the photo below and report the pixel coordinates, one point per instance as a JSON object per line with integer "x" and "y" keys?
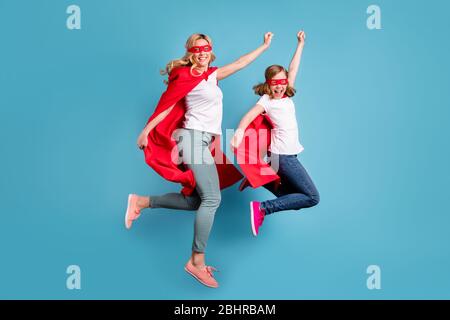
{"x": 296, "y": 190}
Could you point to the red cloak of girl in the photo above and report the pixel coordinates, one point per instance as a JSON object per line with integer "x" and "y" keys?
{"x": 251, "y": 152}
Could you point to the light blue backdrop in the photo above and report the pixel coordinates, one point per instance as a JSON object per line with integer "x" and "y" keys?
{"x": 373, "y": 108}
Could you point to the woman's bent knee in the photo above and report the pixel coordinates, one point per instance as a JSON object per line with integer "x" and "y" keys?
{"x": 212, "y": 201}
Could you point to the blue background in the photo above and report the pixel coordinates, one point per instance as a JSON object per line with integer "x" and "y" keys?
{"x": 373, "y": 110}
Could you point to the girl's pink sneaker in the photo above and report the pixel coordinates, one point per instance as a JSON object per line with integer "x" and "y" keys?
{"x": 132, "y": 212}
{"x": 204, "y": 274}
{"x": 256, "y": 216}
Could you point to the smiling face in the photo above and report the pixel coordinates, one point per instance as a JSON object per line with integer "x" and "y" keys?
{"x": 278, "y": 90}
{"x": 203, "y": 58}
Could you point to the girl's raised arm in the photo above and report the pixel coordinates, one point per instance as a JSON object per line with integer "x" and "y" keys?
{"x": 295, "y": 62}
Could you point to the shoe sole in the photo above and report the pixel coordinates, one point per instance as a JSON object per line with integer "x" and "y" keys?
{"x": 128, "y": 210}
{"x": 209, "y": 286}
{"x": 252, "y": 219}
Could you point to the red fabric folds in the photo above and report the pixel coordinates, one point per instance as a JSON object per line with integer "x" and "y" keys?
{"x": 161, "y": 151}
{"x": 250, "y": 153}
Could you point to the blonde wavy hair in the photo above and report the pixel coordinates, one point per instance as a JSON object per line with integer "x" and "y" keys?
{"x": 263, "y": 88}
{"x": 188, "y": 58}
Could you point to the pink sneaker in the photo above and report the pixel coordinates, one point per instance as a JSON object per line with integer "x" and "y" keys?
{"x": 132, "y": 211}
{"x": 204, "y": 274}
{"x": 256, "y": 216}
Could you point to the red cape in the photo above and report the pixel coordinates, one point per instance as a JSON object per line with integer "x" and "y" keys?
{"x": 161, "y": 146}
{"x": 250, "y": 155}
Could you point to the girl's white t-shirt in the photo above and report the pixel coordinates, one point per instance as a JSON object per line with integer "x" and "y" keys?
{"x": 204, "y": 106}
{"x": 284, "y": 135}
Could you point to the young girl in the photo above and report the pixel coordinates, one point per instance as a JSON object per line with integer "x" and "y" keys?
{"x": 293, "y": 187}
{"x": 190, "y": 110}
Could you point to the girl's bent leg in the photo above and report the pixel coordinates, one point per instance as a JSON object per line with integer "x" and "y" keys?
{"x": 300, "y": 191}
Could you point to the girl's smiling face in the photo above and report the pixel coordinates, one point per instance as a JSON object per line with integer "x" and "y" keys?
{"x": 278, "y": 90}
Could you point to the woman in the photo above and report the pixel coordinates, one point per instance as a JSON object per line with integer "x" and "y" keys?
{"x": 187, "y": 123}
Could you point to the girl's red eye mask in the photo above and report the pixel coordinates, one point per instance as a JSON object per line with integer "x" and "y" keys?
{"x": 278, "y": 81}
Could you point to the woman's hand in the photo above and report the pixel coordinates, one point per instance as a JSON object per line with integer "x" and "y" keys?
{"x": 301, "y": 36}
{"x": 245, "y": 60}
{"x": 267, "y": 39}
{"x": 142, "y": 140}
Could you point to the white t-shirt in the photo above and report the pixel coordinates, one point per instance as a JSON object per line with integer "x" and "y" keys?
{"x": 204, "y": 106}
{"x": 284, "y": 135}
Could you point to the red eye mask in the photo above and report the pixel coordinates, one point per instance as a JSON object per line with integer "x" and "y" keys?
{"x": 275, "y": 82}
{"x": 198, "y": 49}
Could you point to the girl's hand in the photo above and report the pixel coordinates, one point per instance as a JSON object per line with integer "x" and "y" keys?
{"x": 301, "y": 36}
{"x": 237, "y": 139}
{"x": 142, "y": 140}
{"x": 268, "y": 39}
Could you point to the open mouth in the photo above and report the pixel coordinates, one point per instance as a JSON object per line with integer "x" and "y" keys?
{"x": 278, "y": 92}
{"x": 202, "y": 59}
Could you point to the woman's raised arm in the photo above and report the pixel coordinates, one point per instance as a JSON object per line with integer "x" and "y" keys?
{"x": 245, "y": 60}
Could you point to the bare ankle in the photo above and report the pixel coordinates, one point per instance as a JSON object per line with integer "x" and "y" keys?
{"x": 198, "y": 259}
{"x": 143, "y": 202}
